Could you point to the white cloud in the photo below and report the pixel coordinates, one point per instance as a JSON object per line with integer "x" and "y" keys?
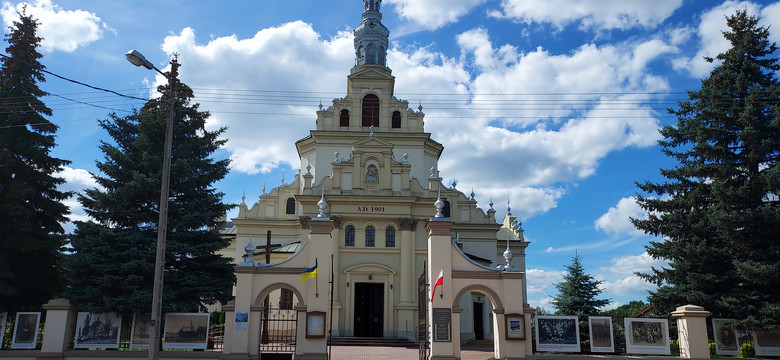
{"x": 76, "y": 180}
{"x": 710, "y": 34}
{"x": 542, "y": 282}
{"x": 616, "y": 221}
{"x": 63, "y": 30}
{"x": 620, "y": 278}
{"x": 527, "y": 153}
{"x": 589, "y": 14}
{"x": 291, "y": 59}
{"x": 433, "y": 14}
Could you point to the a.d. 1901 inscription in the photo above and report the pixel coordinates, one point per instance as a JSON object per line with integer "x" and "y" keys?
{"x": 371, "y": 209}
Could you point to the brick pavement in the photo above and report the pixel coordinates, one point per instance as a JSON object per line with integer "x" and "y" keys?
{"x": 398, "y": 353}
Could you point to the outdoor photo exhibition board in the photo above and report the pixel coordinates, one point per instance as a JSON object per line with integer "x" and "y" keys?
{"x": 726, "y": 340}
{"x": 557, "y": 333}
{"x": 141, "y": 332}
{"x": 647, "y": 336}
{"x": 3, "y": 320}
{"x": 97, "y": 330}
{"x": 186, "y": 331}
{"x": 767, "y": 343}
{"x": 600, "y": 331}
{"x": 26, "y": 330}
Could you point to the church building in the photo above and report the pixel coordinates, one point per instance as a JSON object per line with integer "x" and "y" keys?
{"x": 370, "y": 158}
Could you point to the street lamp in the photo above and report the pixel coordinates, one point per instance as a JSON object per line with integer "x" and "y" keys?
{"x": 137, "y": 59}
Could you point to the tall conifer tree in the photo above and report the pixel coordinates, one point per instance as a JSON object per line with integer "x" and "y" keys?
{"x": 113, "y": 260}
{"x": 578, "y": 292}
{"x": 718, "y": 211}
{"x": 31, "y": 207}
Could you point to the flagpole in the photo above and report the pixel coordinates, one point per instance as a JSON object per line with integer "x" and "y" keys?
{"x": 330, "y": 329}
{"x": 316, "y": 280}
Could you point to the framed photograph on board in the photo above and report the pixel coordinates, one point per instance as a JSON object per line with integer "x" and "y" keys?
{"x": 647, "y": 336}
{"x": 186, "y": 331}
{"x": 141, "y": 333}
{"x": 557, "y": 333}
{"x": 767, "y": 342}
{"x": 315, "y": 324}
{"x": 97, "y": 330}
{"x": 600, "y": 331}
{"x": 726, "y": 340}
{"x": 515, "y": 327}
{"x": 26, "y": 330}
{"x": 3, "y": 321}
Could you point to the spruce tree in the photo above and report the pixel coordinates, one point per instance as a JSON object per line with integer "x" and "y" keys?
{"x": 113, "y": 261}
{"x": 578, "y": 292}
{"x": 718, "y": 210}
{"x": 31, "y": 207}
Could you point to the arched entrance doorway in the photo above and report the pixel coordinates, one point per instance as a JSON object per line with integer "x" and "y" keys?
{"x": 278, "y": 321}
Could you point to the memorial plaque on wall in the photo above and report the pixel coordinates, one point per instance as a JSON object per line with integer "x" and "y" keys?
{"x": 442, "y": 324}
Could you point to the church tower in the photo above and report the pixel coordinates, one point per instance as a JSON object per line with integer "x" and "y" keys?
{"x": 371, "y": 160}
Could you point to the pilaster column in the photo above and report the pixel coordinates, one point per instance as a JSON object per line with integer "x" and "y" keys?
{"x": 440, "y": 260}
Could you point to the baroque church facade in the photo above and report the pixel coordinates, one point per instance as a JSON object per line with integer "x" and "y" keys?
{"x": 371, "y": 159}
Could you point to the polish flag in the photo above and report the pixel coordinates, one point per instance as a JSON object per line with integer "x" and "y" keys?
{"x": 439, "y": 281}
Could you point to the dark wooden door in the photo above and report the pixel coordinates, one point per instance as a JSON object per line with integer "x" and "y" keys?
{"x": 369, "y": 309}
{"x": 479, "y": 328}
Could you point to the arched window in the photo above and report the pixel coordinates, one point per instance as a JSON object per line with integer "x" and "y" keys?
{"x": 290, "y": 206}
{"x": 349, "y": 236}
{"x": 361, "y": 55}
{"x": 390, "y": 237}
{"x": 370, "y": 110}
{"x": 372, "y": 174}
{"x": 344, "y": 118}
{"x": 371, "y": 54}
{"x": 396, "y": 122}
{"x": 381, "y": 55}
{"x": 446, "y": 210}
{"x": 370, "y": 236}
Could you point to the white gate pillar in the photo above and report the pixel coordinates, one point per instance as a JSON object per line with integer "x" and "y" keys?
{"x": 692, "y": 331}
{"x": 440, "y": 260}
{"x": 316, "y": 292}
{"x": 60, "y": 325}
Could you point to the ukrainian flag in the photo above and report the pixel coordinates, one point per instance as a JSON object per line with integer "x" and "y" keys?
{"x": 309, "y": 272}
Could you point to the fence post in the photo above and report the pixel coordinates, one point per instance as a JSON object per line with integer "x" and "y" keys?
{"x": 692, "y": 331}
{"x": 60, "y": 327}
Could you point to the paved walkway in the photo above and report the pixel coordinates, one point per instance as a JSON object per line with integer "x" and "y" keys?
{"x": 400, "y": 353}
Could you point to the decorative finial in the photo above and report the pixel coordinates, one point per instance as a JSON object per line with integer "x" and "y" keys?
{"x": 320, "y": 104}
{"x": 282, "y": 179}
{"x": 308, "y": 169}
{"x": 433, "y": 172}
{"x": 439, "y": 206}
{"x": 336, "y": 156}
{"x": 454, "y": 183}
{"x": 250, "y": 252}
{"x": 508, "y": 209}
{"x": 472, "y": 194}
{"x": 406, "y": 157}
{"x": 322, "y": 205}
{"x": 372, "y": 131}
{"x": 243, "y": 198}
{"x": 420, "y": 107}
{"x": 508, "y": 255}
{"x": 263, "y": 188}
{"x": 491, "y": 203}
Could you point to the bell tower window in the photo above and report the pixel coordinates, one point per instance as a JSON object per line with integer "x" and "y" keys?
{"x": 370, "y": 110}
{"x": 371, "y": 54}
{"x": 344, "y": 118}
{"x": 396, "y": 121}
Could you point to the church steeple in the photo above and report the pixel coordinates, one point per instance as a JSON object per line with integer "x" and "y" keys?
{"x": 371, "y": 37}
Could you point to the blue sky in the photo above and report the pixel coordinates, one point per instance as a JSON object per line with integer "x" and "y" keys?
{"x": 552, "y": 105}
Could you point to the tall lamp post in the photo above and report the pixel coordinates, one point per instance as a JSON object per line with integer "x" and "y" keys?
{"x": 137, "y": 59}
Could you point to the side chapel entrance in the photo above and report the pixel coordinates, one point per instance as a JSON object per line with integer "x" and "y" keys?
{"x": 369, "y": 309}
